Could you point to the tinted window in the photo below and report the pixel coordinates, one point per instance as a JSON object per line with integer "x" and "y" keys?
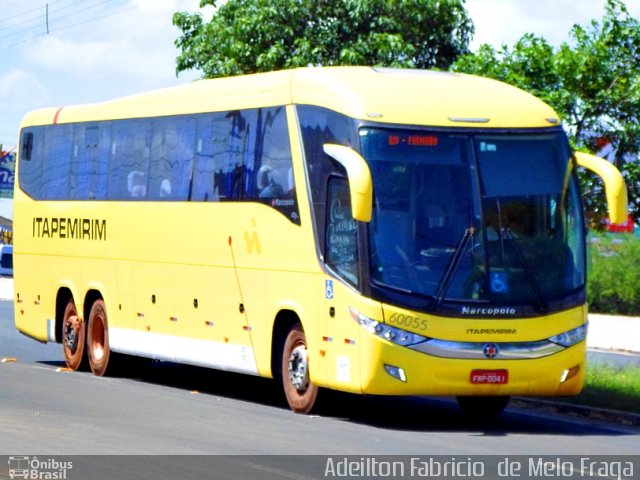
{"x": 211, "y": 140}
{"x": 245, "y": 155}
{"x": 274, "y": 176}
{"x": 56, "y": 165}
{"x": 320, "y": 126}
{"x": 341, "y": 245}
{"x": 513, "y": 158}
{"x": 31, "y": 160}
{"x": 237, "y": 155}
{"x": 89, "y": 162}
{"x": 171, "y": 159}
{"x": 129, "y": 162}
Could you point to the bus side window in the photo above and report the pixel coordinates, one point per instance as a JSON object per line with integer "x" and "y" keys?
{"x": 31, "y": 161}
{"x": 100, "y": 164}
{"x": 274, "y": 179}
{"x": 171, "y": 158}
{"x": 57, "y": 162}
{"x": 203, "y": 163}
{"x": 275, "y": 161}
{"x": 130, "y": 149}
{"x": 84, "y": 157}
{"x": 211, "y": 157}
{"x": 244, "y": 155}
{"x": 243, "y": 149}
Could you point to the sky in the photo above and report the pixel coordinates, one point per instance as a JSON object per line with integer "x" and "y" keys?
{"x": 96, "y": 50}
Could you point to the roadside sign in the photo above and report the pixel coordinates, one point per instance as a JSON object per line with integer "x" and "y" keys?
{"x": 7, "y": 173}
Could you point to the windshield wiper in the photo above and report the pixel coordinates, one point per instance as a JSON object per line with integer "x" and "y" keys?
{"x": 539, "y": 304}
{"x": 453, "y": 266}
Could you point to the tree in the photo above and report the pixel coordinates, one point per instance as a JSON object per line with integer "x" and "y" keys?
{"x": 248, "y": 36}
{"x": 592, "y": 81}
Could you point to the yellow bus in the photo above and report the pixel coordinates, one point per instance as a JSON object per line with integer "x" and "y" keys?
{"x": 368, "y": 230}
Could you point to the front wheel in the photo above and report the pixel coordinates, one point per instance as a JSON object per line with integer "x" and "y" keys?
{"x": 483, "y": 408}
{"x": 299, "y": 391}
{"x": 98, "y": 339}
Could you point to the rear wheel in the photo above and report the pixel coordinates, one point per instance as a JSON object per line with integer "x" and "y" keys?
{"x": 299, "y": 391}
{"x": 73, "y": 337}
{"x": 481, "y": 408}
{"x": 98, "y": 339}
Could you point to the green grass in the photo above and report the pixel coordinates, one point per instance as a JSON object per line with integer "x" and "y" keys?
{"x": 614, "y": 274}
{"x": 610, "y": 387}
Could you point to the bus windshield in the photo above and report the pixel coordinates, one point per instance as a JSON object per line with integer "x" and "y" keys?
{"x": 490, "y": 218}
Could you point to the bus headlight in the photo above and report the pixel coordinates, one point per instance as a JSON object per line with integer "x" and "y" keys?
{"x": 570, "y": 338}
{"x": 382, "y": 330}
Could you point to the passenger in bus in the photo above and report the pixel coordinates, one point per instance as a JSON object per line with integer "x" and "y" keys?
{"x": 137, "y": 185}
{"x": 267, "y": 186}
{"x": 165, "y": 188}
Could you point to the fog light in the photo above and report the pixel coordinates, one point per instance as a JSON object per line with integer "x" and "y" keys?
{"x": 396, "y": 372}
{"x": 569, "y": 373}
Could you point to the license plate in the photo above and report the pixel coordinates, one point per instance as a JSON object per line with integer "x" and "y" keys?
{"x": 496, "y": 377}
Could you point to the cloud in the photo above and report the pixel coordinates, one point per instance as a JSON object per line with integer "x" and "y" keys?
{"x": 18, "y": 84}
{"x": 498, "y": 21}
{"x": 95, "y": 51}
{"x": 119, "y": 58}
{"x": 132, "y": 43}
{"x": 20, "y": 91}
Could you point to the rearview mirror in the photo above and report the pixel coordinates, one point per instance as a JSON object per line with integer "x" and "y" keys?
{"x": 359, "y": 175}
{"x": 614, "y": 185}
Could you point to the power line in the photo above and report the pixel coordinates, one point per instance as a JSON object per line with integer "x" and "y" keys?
{"x": 37, "y": 18}
{"x": 20, "y": 32}
{"x": 71, "y": 4}
{"x": 22, "y": 22}
{"x": 36, "y": 9}
{"x": 79, "y": 11}
{"x": 107, "y": 15}
{"x": 54, "y": 19}
{"x": 11, "y": 17}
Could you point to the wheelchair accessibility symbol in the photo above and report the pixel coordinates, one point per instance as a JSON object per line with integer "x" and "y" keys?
{"x": 499, "y": 282}
{"x": 328, "y": 289}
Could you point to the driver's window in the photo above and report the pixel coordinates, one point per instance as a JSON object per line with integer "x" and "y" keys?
{"x": 341, "y": 249}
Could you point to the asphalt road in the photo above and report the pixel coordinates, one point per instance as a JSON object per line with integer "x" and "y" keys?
{"x": 166, "y": 409}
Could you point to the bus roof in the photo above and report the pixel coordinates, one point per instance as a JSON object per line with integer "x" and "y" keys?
{"x": 399, "y": 96}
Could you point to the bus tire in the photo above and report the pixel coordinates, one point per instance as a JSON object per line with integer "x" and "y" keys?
{"x": 299, "y": 391}
{"x": 481, "y": 408}
{"x": 98, "y": 339}
{"x": 74, "y": 337}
